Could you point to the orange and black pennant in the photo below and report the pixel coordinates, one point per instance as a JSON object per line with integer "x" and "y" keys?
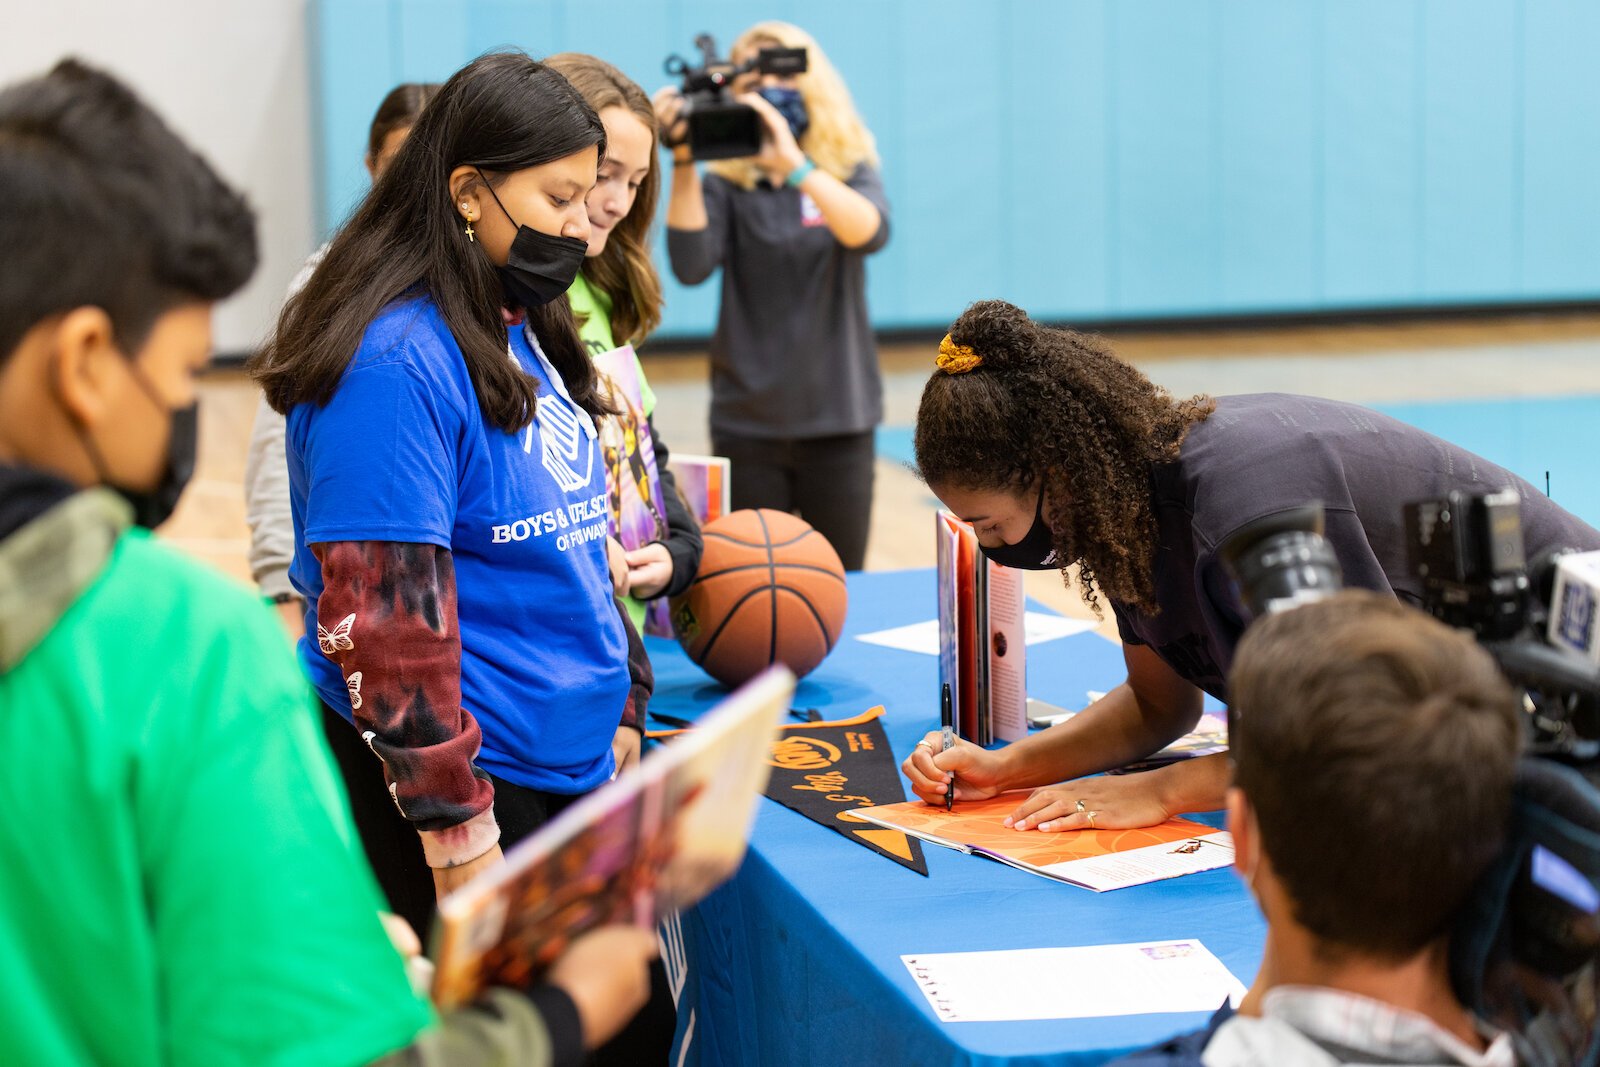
{"x": 823, "y": 769}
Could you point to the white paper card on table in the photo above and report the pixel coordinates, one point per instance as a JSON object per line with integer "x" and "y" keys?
{"x": 924, "y": 636}
{"x": 1041, "y": 627}
{"x": 1073, "y": 983}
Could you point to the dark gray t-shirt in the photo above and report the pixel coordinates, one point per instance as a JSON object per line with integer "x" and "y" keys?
{"x": 1262, "y": 454}
{"x": 793, "y": 356}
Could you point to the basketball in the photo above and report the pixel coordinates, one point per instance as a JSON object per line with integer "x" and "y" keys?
{"x": 770, "y": 590}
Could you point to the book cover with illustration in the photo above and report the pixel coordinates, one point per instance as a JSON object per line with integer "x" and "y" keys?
{"x": 1209, "y": 736}
{"x": 633, "y": 482}
{"x": 658, "y": 838}
{"x": 982, "y": 639}
{"x": 704, "y": 484}
{"x": 1094, "y": 859}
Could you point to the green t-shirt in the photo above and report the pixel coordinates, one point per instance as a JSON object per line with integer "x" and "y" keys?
{"x": 181, "y": 881}
{"x": 592, "y": 307}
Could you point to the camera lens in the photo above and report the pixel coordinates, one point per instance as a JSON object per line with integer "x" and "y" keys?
{"x": 1287, "y": 570}
{"x": 1282, "y": 561}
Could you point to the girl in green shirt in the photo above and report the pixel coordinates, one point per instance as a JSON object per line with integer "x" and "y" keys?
{"x": 617, "y": 299}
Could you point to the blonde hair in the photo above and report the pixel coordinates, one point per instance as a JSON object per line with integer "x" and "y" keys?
{"x": 622, "y": 271}
{"x": 837, "y": 141}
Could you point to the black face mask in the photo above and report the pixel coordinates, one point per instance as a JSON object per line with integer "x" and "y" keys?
{"x": 1035, "y": 552}
{"x": 540, "y": 267}
{"x": 791, "y": 106}
{"x": 152, "y": 507}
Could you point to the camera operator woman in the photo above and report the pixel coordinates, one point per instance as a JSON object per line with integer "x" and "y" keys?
{"x": 1060, "y": 454}
{"x": 795, "y": 387}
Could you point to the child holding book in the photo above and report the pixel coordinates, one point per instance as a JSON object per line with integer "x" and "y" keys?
{"x": 181, "y": 881}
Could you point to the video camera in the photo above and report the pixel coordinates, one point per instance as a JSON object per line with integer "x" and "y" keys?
{"x": 1525, "y": 953}
{"x": 719, "y": 126}
{"x": 1467, "y": 551}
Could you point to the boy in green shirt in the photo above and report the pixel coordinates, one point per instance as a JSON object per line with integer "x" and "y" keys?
{"x": 181, "y": 883}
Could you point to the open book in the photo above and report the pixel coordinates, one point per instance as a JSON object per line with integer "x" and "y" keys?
{"x": 658, "y": 838}
{"x": 1094, "y": 859}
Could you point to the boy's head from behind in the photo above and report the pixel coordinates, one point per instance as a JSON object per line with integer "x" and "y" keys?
{"x": 118, "y": 240}
{"x": 1374, "y": 751}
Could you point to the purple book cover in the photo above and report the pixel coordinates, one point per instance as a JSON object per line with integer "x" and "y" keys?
{"x": 633, "y": 483}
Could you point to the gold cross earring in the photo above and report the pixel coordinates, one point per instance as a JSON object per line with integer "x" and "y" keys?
{"x": 470, "y": 231}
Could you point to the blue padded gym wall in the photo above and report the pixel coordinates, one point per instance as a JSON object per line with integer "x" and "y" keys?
{"x": 1144, "y": 158}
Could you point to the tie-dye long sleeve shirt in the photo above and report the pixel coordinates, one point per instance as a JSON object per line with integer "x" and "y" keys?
{"x": 387, "y": 617}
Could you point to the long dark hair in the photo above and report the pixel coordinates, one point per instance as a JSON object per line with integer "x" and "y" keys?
{"x": 1058, "y": 407}
{"x": 624, "y": 270}
{"x": 398, "y": 110}
{"x": 502, "y": 113}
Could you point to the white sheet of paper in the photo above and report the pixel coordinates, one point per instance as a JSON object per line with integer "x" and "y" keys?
{"x": 924, "y": 636}
{"x": 1073, "y": 983}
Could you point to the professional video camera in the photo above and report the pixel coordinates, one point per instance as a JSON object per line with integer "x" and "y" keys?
{"x": 1467, "y": 551}
{"x": 1525, "y": 953}
{"x": 720, "y": 127}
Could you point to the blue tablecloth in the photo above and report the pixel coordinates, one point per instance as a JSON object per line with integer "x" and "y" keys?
{"x": 797, "y": 959}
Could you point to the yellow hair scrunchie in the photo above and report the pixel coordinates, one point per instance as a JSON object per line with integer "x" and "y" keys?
{"x": 957, "y": 359}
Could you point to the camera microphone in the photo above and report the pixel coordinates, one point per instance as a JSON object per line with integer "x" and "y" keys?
{"x": 1573, "y": 600}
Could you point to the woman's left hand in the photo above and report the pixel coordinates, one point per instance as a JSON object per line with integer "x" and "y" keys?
{"x": 780, "y": 152}
{"x": 649, "y": 570}
{"x": 1120, "y": 802}
{"x": 625, "y": 747}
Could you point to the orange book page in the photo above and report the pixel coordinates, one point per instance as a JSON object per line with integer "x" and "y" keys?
{"x": 981, "y": 824}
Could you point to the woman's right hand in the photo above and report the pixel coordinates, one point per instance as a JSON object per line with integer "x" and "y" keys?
{"x": 977, "y": 770}
{"x": 668, "y": 103}
{"x": 446, "y": 879}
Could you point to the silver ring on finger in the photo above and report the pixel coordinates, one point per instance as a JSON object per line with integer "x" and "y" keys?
{"x": 1090, "y": 816}
{"x": 925, "y": 743}
{"x": 1082, "y": 807}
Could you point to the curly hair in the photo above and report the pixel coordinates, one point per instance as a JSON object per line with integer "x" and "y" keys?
{"x": 1057, "y": 408}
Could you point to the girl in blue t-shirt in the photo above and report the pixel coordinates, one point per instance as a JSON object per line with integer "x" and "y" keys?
{"x": 449, "y": 501}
